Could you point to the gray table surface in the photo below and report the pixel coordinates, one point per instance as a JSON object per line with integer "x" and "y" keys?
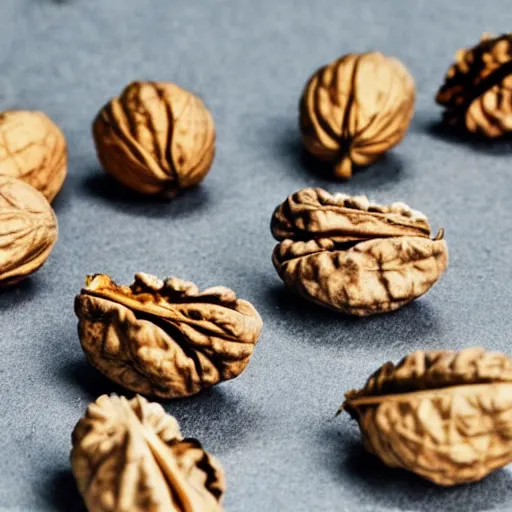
{"x": 273, "y": 427}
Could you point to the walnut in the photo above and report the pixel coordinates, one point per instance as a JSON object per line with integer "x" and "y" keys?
{"x": 352, "y": 255}
{"x": 355, "y": 109}
{"x": 165, "y": 338}
{"x": 477, "y": 93}
{"x": 155, "y": 138}
{"x": 33, "y": 149}
{"x": 447, "y": 416}
{"x": 129, "y": 455}
{"x": 28, "y": 230}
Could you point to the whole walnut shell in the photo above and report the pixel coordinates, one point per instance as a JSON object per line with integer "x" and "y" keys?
{"x": 352, "y": 255}
{"x": 28, "y": 230}
{"x": 445, "y": 415}
{"x": 129, "y": 455}
{"x": 355, "y": 109}
{"x": 165, "y": 338}
{"x": 477, "y": 93}
{"x": 33, "y": 149}
{"x": 155, "y": 138}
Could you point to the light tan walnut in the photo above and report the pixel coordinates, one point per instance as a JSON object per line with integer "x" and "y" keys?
{"x": 155, "y": 138}
{"x": 33, "y": 149}
{"x": 165, "y": 338}
{"x": 352, "y": 255}
{"x": 28, "y": 230}
{"x": 355, "y": 109}
{"x": 444, "y": 415}
{"x": 477, "y": 93}
{"x": 130, "y": 456}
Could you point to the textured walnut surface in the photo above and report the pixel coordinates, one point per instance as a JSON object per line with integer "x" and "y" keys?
{"x": 33, "y": 149}
{"x": 352, "y": 255}
{"x": 165, "y": 338}
{"x": 444, "y": 415}
{"x": 155, "y": 138}
{"x": 477, "y": 92}
{"x": 28, "y": 230}
{"x": 130, "y": 456}
{"x": 356, "y": 108}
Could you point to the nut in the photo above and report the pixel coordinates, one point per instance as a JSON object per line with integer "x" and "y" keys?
{"x": 28, "y": 230}
{"x": 477, "y": 93}
{"x": 33, "y": 149}
{"x": 129, "y": 455}
{"x": 352, "y": 255}
{"x": 156, "y": 138}
{"x": 355, "y": 109}
{"x": 444, "y": 415}
{"x": 165, "y": 338}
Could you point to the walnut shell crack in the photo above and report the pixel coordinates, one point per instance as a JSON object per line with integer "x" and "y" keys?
{"x": 165, "y": 338}
{"x": 444, "y": 415}
{"x": 352, "y": 255}
{"x": 33, "y": 149}
{"x": 155, "y": 138}
{"x": 130, "y": 455}
{"x": 355, "y": 109}
{"x": 28, "y": 230}
{"x": 477, "y": 92}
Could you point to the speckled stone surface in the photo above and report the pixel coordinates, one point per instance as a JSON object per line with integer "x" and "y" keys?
{"x": 273, "y": 427}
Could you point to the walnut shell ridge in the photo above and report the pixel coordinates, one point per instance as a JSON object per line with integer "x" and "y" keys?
{"x": 165, "y": 338}
{"x": 444, "y": 415}
{"x": 155, "y": 138}
{"x": 28, "y": 230}
{"x": 352, "y": 255}
{"x": 33, "y": 149}
{"x": 129, "y": 455}
{"x": 355, "y": 109}
{"x": 477, "y": 92}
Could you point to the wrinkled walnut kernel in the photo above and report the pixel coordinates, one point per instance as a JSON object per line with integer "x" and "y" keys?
{"x": 129, "y": 455}
{"x": 165, "y": 338}
{"x": 355, "y": 109}
{"x": 352, "y": 255}
{"x": 444, "y": 415}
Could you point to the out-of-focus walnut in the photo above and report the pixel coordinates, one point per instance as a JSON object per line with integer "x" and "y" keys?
{"x": 165, "y": 338}
{"x": 352, "y": 255}
{"x": 477, "y": 92}
{"x": 155, "y": 138}
{"x": 445, "y": 415}
{"x": 33, "y": 149}
{"x": 28, "y": 230}
{"x": 355, "y": 109}
{"x": 130, "y": 456}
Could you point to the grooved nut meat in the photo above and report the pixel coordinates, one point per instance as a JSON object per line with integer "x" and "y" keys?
{"x": 129, "y": 455}
{"x": 165, "y": 338}
{"x": 352, "y": 255}
{"x": 477, "y": 92}
{"x": 28, "y": 230}
{"x": 155, "y": 138}
{"x": 444, "y": 415}
{"x": 355, "y": 109}
{"x": 33, "y": 149}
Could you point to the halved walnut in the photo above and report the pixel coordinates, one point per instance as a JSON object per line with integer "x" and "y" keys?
{"x": 165, "y": 338}
{"x": 352, "y": 255}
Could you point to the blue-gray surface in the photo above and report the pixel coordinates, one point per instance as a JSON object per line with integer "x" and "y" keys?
{"x": 273, "y": 427}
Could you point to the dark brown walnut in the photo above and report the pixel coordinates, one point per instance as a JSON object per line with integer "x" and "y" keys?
{"x": 352, "y": 255}
{"x": 165, "y": 338}
{"x": 355, "y": 109}
{"x": 477, "y": 93}
{"x": 28, "y": 230}
{"x": 129, "y": 455}
{"x": 155, "y": 138}
{"x": 444, "y": 415}
{"x": 33, "y": 149}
